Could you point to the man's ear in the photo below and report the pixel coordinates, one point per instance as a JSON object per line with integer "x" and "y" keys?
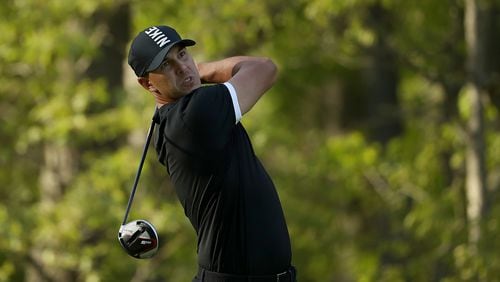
{"x": 146, "y": 84}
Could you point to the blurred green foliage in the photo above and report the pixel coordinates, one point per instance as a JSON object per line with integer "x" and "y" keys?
{"x": 359, "y": 208}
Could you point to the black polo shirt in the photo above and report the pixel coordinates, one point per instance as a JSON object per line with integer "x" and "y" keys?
{"x": 226, "y": 193}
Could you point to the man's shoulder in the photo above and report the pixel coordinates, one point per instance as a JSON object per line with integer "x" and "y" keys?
{"x": 197, "y": 94}
{"x": 208, "y": 89}
{"x": 203, "y": 100}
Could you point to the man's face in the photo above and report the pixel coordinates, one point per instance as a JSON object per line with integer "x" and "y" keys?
{"x": 177, "y": 75}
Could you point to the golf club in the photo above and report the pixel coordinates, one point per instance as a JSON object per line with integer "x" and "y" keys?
{"x": 139, "y": 237}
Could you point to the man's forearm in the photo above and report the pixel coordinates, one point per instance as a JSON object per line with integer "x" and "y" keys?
{"x": 222, "y": 70}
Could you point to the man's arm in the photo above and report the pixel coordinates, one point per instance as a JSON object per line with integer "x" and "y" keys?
{"x": 250, "y": 76}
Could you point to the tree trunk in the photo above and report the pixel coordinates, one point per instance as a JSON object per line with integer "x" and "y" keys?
{"x": 492, "y": 45}
{"x": 108, "y": 64}
{"x": 382, "y": 80}
{"x": 56, "y": 172}
{"x": 59, "y": 163}
{"x": 475, "y": 163}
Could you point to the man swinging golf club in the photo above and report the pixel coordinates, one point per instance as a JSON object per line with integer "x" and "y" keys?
{"x": 225, "y": 191}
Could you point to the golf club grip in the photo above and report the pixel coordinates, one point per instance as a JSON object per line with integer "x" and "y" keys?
{"x": 138, "y": 174}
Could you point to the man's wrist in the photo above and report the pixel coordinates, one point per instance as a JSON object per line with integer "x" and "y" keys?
{"x": 218, "y": 71}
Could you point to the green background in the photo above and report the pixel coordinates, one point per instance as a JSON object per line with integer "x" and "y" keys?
{"x": 365, "y": 134}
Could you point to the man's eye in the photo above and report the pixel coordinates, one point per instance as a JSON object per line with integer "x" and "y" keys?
{"x": 164, "y": 65}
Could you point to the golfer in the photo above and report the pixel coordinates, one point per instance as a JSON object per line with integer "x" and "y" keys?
{"x": 225, "y": 191}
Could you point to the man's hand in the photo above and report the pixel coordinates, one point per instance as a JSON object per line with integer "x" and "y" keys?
{"x": 250, "y": 76}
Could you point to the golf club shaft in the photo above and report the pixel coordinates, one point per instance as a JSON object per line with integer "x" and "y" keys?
{"x": 138, "y": 174}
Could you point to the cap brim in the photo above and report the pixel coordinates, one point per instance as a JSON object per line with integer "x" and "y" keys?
{"x": 158, "y": 59}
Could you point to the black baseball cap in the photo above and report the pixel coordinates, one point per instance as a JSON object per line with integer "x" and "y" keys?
{"x": 150, "y": 47}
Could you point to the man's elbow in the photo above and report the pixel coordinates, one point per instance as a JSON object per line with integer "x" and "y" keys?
{"x": 271, "y": 70}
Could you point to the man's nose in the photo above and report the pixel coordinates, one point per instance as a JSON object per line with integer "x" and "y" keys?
{"x": 181, "y": 68}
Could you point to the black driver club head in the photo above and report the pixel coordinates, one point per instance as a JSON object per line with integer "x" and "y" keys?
{"x": 139, "y": 239}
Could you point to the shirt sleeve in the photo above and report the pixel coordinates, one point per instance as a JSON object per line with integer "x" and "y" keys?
{"x": 211, "y": 114}
{"x": 234, "y": 98}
